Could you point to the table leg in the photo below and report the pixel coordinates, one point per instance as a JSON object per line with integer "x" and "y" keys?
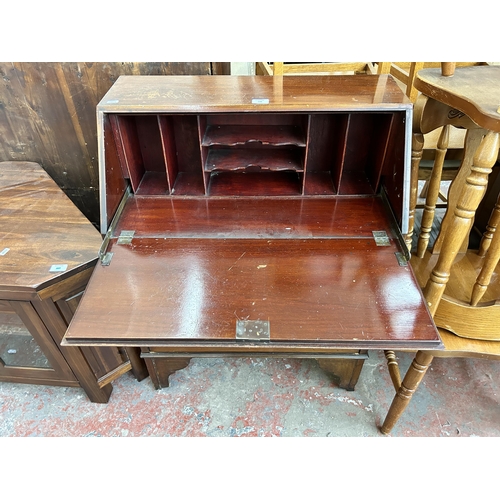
{"x": 139, "y": 368}
{"x": 160, "y": 369}
{"x": 347, "y": 371}
{"x": 412, "y": 379}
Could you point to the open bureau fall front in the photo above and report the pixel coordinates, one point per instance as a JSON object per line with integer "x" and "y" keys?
{"x": 254, "y": 216}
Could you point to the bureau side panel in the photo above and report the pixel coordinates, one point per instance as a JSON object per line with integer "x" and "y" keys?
{"x": 112, "y": 184}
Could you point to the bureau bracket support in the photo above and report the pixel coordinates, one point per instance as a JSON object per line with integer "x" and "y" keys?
{"x": 104, "y": 256}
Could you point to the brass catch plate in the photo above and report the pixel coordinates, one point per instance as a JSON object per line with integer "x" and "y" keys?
{"x": 125, "y": 238}
{"x": 252, "y": 330}
{"x": 381, "y": 239}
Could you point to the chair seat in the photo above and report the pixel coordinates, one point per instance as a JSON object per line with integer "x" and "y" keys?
{"x": 454, "y": 313}
{"x": 450, "y": 277}
{"x": 474, "y": 91}
{"x": 459, "y": 347}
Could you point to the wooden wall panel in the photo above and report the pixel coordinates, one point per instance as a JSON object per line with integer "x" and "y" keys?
{"x": 47, "y": 115}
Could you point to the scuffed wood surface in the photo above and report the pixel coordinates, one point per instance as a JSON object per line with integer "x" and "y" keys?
{"x": 48, "y": 116}
{"x": 39, "y": 227}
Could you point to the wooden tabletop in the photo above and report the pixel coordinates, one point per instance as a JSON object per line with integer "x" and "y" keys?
{"x": 474, "y": 90}
{"x": 40, "y": 227}
{"x": 204, "y": 94}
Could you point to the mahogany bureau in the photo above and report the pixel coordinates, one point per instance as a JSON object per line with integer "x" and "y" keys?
{"x": 254, "y": 216}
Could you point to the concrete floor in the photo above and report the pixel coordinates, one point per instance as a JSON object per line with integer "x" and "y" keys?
{"x": 264, "y": 397}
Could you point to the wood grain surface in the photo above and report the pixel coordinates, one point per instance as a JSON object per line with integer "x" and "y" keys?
{"x": 474, "y": 91}
{"x": 181, "y": 94}
{"x": 260, "y": 217}
{"x": 47, "y": 115}
{"x": 40, "y": 227}
{"x": 340, "y": 291}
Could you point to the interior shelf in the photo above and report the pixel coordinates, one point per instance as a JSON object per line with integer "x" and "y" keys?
{"x": 319, "y": 183}
{"x": 225, "y": 183}
{"x": 271, "y": 135}
{"x": 153, "y": 184}
{"x": 260, "y": 154}
{"x": 257, "y": 159}
{"x": 187, "y": 184}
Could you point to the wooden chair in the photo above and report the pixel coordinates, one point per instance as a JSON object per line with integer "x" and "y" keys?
{"x": 406, "y": 72}
{"x": 450, "y": 142}
{"x": 282, "y": 68}
{"x": 460, "y": 285}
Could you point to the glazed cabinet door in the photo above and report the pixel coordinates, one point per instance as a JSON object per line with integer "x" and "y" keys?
{"x": 27, "y": 351}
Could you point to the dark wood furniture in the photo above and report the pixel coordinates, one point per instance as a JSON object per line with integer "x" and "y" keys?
{"x": 254, "y": 216}
{"x": 460, "y": 285}
{"x": 48, "y": 252}
{"x": 61, "y": 135}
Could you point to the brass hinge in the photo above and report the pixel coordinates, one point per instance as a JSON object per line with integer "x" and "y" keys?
{"x": 402, "y": 260}
{"x": 106, "y": 259}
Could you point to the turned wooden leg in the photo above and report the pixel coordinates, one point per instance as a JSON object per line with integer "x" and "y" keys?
{"x": 433, "y": 192}
{"x": 160, "y": 369}
{"x": 490, "y": 263}
{"x": 473, "y": 140}
{"x": 138, "y": 366}
{"x": 412, "y": 379}
{"x": 416, "y": 156}
{"x": 346, "y": 371}
{"x": 393, "y": 367}
{"x": 472, "y": 193}
{"x": 491, "y": 228}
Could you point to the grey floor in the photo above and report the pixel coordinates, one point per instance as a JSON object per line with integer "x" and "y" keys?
{"x": 264, "y": 398}
{"x": 247, "y": 397}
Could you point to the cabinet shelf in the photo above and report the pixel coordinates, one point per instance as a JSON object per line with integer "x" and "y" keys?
{"x": 153, "y": 184}
{"x": 188, "y": 185}
{"x": 267, "y": 135}
{"x": 254, "y": 159}
{"x": 335, "y": 152}
{"x": 284, "y": 183}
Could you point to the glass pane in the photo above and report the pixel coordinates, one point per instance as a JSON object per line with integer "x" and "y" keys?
{"x": 17, "y": 346}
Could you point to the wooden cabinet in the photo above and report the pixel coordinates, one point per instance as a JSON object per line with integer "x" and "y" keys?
{"x": 48, "y": 252}
{"x": 254, "y": 216}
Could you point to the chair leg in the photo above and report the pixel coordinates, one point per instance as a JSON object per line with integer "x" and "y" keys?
{"x": 433, "y": 192}
{"x": 416, "y": 156}
{"x": 412, "y": 379}
{"x": 491, "y": 228}
{"x": 483, "y": 280}
{"x": 393, "y": 367}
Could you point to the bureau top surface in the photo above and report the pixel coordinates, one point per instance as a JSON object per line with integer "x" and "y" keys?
{"x": 40, "y": 227}
{"x": 222, "y": 93}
